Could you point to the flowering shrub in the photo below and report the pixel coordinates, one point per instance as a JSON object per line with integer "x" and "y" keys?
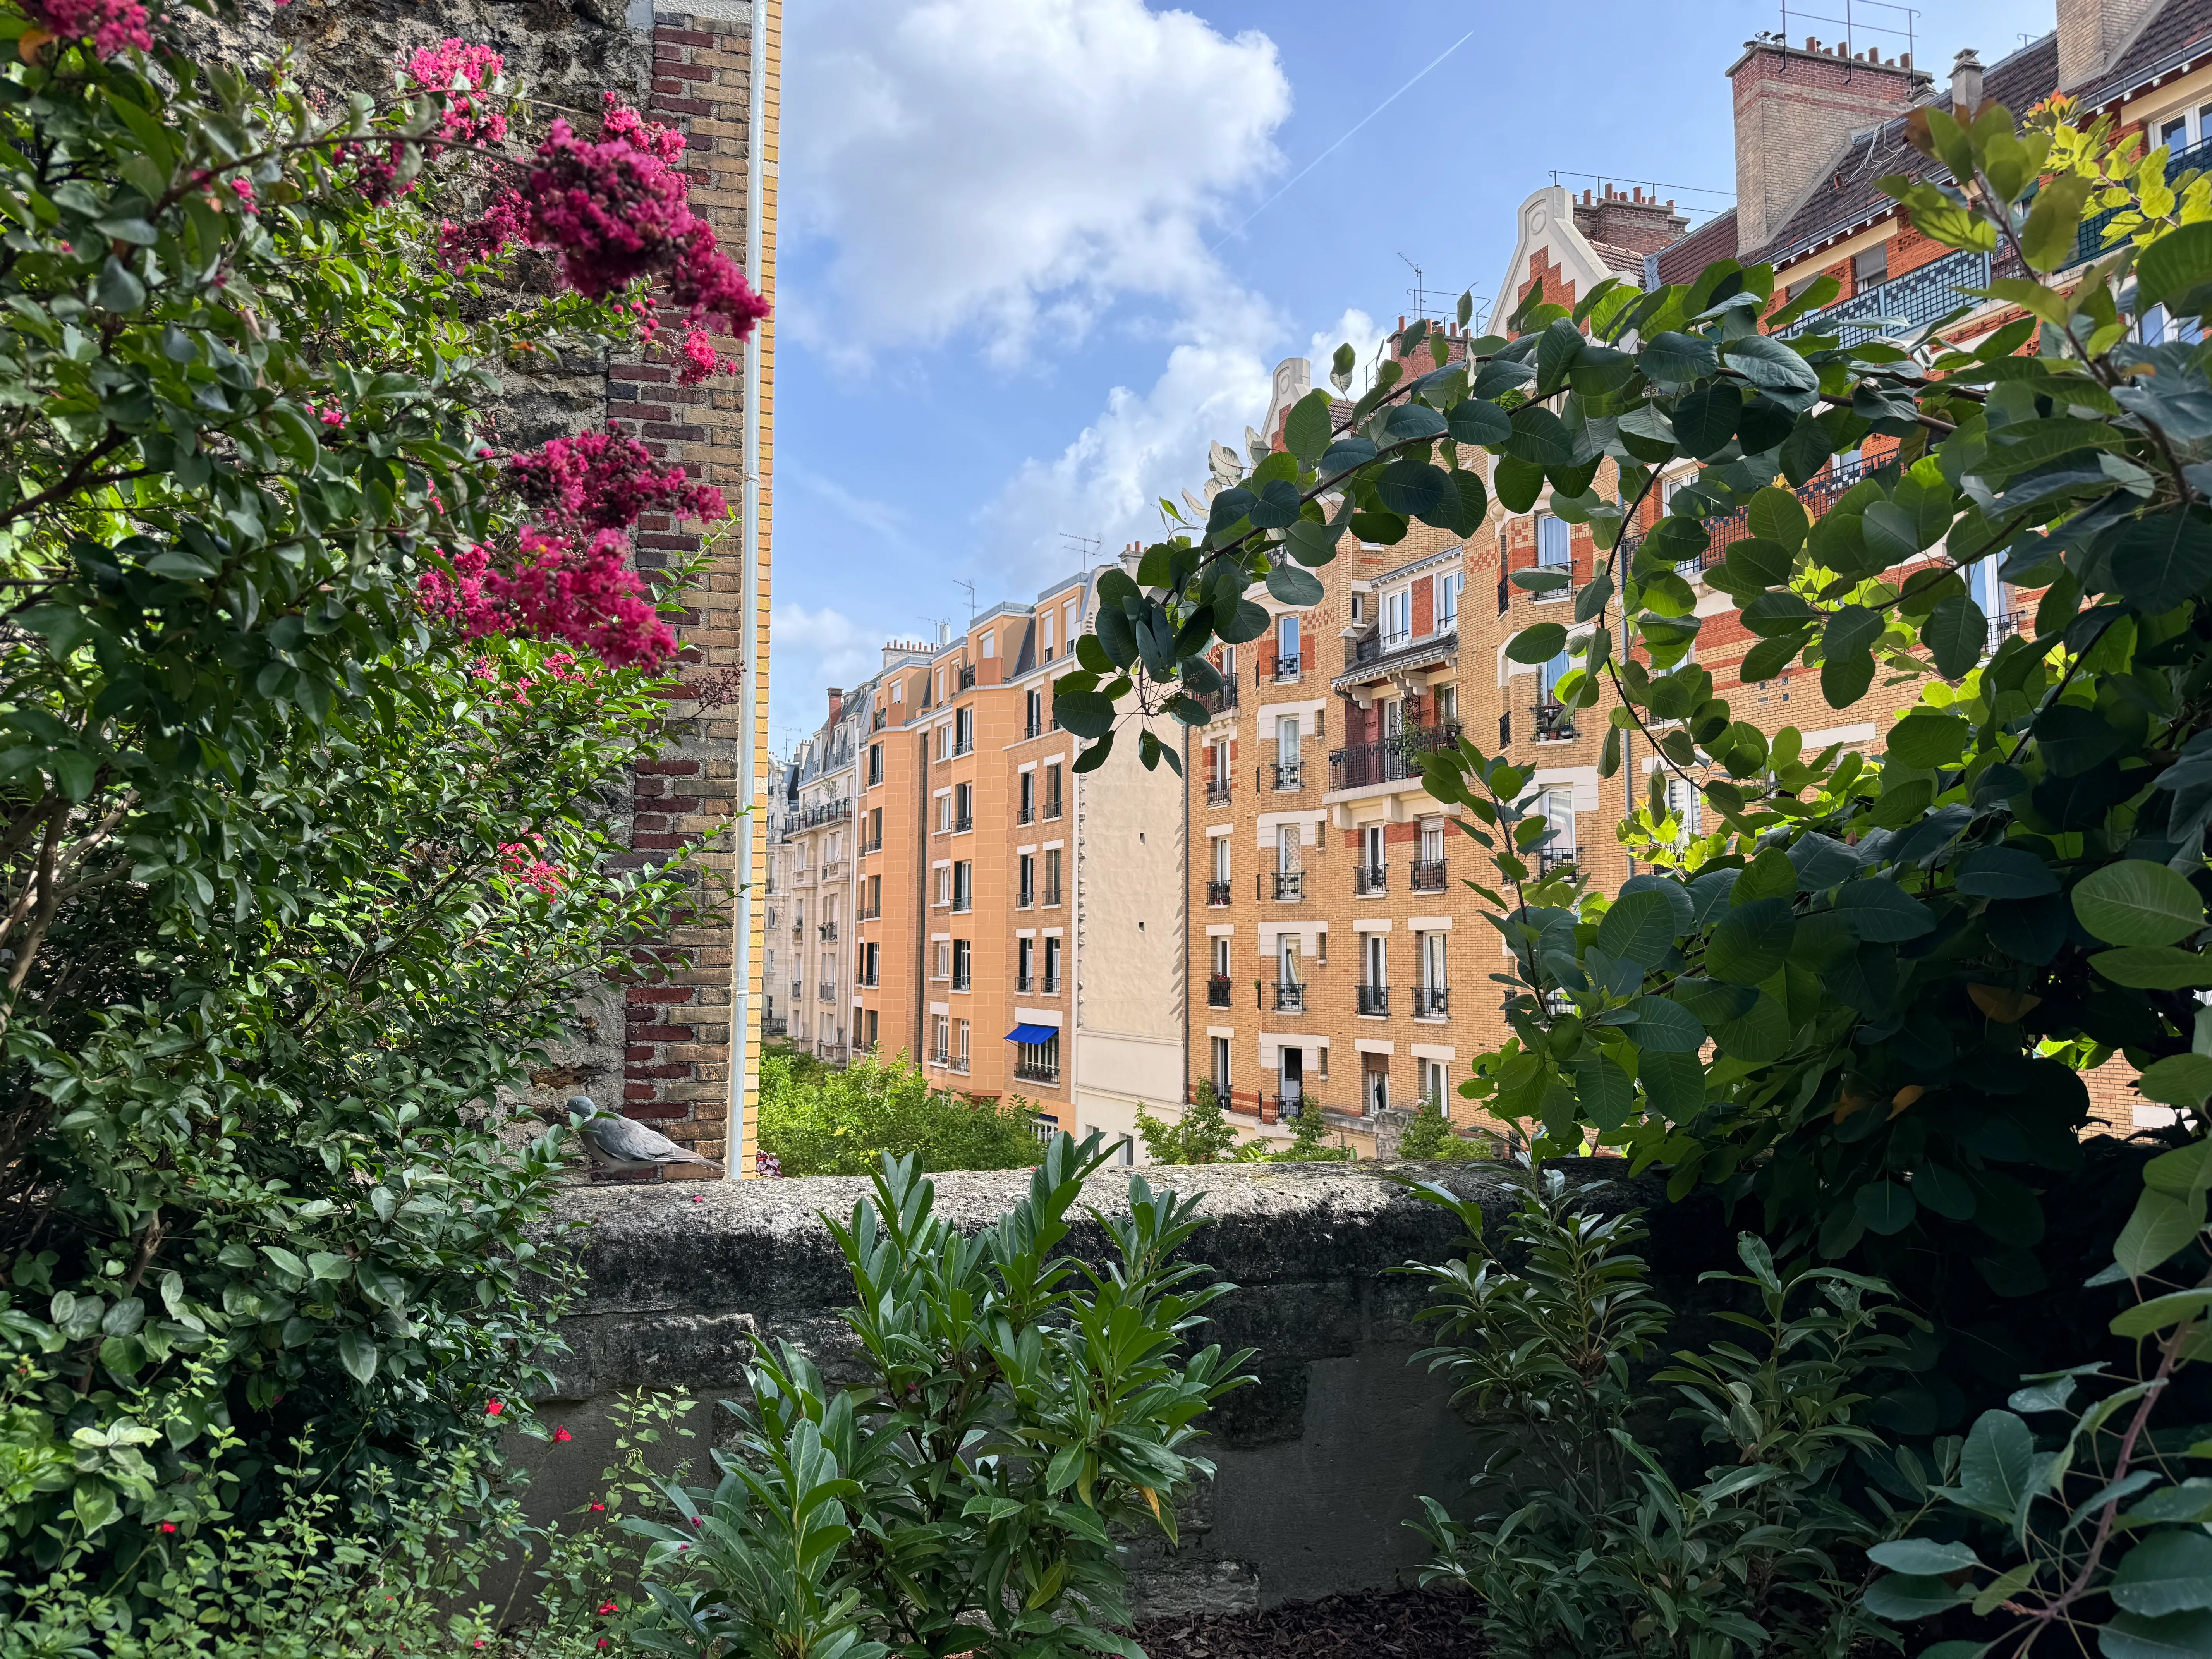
{"x": 311, "y": 711}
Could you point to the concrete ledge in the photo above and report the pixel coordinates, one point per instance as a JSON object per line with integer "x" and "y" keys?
{"x": 1320, "y": 1464}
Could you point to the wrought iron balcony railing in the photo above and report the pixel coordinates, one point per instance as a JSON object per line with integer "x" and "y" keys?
{"x": 1025, "y": 983}
{"x": 1368, "y": 879}
{"x": 1218, "y": 990}
{"x": 1217, "y": 792}
{"x": 1908, "y": 301}
{"x": 1290, "y": 998}
{"x": 1392, "y": 760}
{"x": 960, "y": 981}
{"x": 1286, "y": 668}
{"x": 1555, "y": 722}
{"x": 827, "y": 990}
{"x": 827, "y": 930}
{"x": 1428, "y": 875}
{"x": 1052, "y": 897}
{"x": 1548, "y": 858}
{"x": 1374, "y": 999}
{"x": 1283, "y": 883}
{"x": 866, "y": 982}
{"x": 1026, "y": 815}
{"x": 968, "y": 678}
{"x": 1432, "y": 1001}
{"x": 1037, "y": 1071}
{"x": 1221, "y": 702}
{"x": 1289, "y": 776}
{"x": 1026, "y": 899}
{"x": 1217, "y": 894}
{"x": 964, "y": 823}
{"x": 1051, "y": 985}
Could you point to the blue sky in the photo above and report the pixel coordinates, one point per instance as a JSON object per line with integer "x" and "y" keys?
{"x": 1030, "y": 263}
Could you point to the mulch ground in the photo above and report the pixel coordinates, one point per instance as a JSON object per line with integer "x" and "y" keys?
{"x": 1388, "y": 1622}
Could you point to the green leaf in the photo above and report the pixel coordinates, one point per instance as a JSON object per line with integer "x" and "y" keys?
{"x": 2155, "y": 968}
{"x": 357, "y": 1353}
{"x": 1477, "y": 420}
{"x": 2178, "y": 1079}
{"x": 1665, "y": 1027}
{"x": 2136, "y": 902}
{"x": 1777, "y": 516}
{"x": 1994, "y": 1467}
{"x": 1538, "y": 643}
{"x": 1639, "y": 927}
{"x": 1956, "y": 633}
{"x": 2047, "y": 239}
{"x": 1306, "y": 429}
{"x": 1906, "y": 1596}
{"x": 2156, "y": 1315}
{"x": 285, "y": 1261}
{"x": 1517, "y": 483}
{"x": 1885, "y": 1206}
{"x": 1293, "y": 586}
{"x": 1752, "y": 941}
{"x": 2003, "y": 872}
{"x": 1602, "y": 1090}
{"x": 1677, "y": 358}
{"x": 2158, "y": 563}
{"x": 118, "y": 290}
{"x": 1924, "y": 738}
{"x": 2176, "y": 1636}
{"x": 1771, "y": 364}
{"x": 1706, "y": 419}
{"x": 2161, "y": 1225}
{"x": 1879, "y": 912}
{"x": 1087, "y": 713}
{"x": 1539, "y": 438}
{"x": 1923, "y": 1556}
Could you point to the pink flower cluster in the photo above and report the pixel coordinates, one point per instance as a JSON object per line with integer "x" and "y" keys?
{"x": 587, "y": 596}
{"x": 618, "y": 211}
{"x": 605, "y": 481}
{"x": 460, "y": 71}
{"x": 520, "y": 861}
{"x": 113, "y": 24}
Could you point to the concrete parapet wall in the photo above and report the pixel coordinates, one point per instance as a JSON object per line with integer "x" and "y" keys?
{"x": 1321, "y": 1463}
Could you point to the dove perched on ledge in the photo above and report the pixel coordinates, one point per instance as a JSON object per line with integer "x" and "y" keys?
{"x": 620, "y": 1143}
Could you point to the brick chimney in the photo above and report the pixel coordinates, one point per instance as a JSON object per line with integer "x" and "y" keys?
{"x": 1630, "y": 219}
{"x": 1794, "y": 109}
{"x": 2091, "y": 33}
{"x": 836, "y": 704}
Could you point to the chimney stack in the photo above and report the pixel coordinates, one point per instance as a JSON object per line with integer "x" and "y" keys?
{"x": 2091, "y": 33}
{"x": 1629, "y": 219}
{"x": 1794, "y": 110}
{"x": 836, "y": 703}
{"x": 1965, "y": 83}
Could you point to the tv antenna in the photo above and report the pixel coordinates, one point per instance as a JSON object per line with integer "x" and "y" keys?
{"x": 970, "y": 588}
{"x": 1085, "y": 548}
{"x": 1418, "y": 292}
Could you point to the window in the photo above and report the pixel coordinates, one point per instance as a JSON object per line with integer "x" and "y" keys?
{"x": 1052, "y": 877}
{"x": 963, "y": 805}
{"x": 1375, "y": 1085}
{"x": 1286, "y": 961}
{"x": 944, "y": 812}
{"x": 1025, "y": 890}
{"x": 940, "y": 958}
{"x": 1069, "y": 613}
{"x": 960, "y": 1059}
{"x": 1684, "y": 806}
{"x": 1039, "y": 1062}
{"x": 1432, "y": 948}
{"x": 1033, "y": 721}
{"x": 1447, "y": 701}
{"x": 1217, "y": 768}
{"x": 1988, "y": 592}
{"x": 876, "y": 884}
{"x": 1371, "y": 852}
{"x": 944, "y": 885}
{"x": 1432, "y": 841}
{"x": 898, "y": 691}
{"x": 963, "y": 886}
{"x": 940, "y": 1045}
{"x": 1024, "y": 963}
{"x": 1553, "y": 549}
{"x": 944, "y": 742}
{"x": 872, "y": 1029}
{"x": 1044, "y": 637}
{"x": 1378, "y": 961}
{"x": 1221, "y": 858}
{"x": 1221, "y": 1066}
{"x": 1359, "y": 607}
{"x": 963, "y": 731}
{"x": 1286, "y": 848}
{"x": 1434, "y": 1083}
{"x": 1029, "y": 789}
{"x": 1286, "y": 738}
{"x": 1051, "y": 967}
{"x": 990, "y": 643}
{"x": 876, "y": 829}
{"x": 2173, "y": 133}
{"x": 1870, "y": 267}
{"x": 1286, "y": 645}
{"x": 1220, "y": 951}
{"x": 1397, "y": 616}
{"x": 1052, "y": 791}
{"x": 875, "y": 764}
{"x": 1550, "y": 673}
{"x": 1447, "y": 588}
{"x": 1557, "y": 807}
{"x": 963, "y": 963}
{"x": 940, "y": 686}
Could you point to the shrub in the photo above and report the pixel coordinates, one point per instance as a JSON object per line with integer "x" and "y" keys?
{"x": 1591, "y": 1546}
{"x": 1430, "y": 1135}
{"x": 1202, "y": 1134}
{"x": 827, "y": 1120}
{"x": 1017, "y": 1413}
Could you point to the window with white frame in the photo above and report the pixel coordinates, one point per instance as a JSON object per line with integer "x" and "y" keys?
{"x": 1432, "y": 948}
{"x": 944, "y": 885}
{"x": 940, "y": 1035}
{"x": 1221, "y": 1066}
{"x": 1434, "y": 1080}
{"x": 941, "y": 959}
{"x": 1377, "y": 960}
{"x": 1219, "y": 951}
{"x": 1287, "y": 961}
{"x": 1221, "y": 858}
{"x": 990, "y": 642}
{"x": 1553, "y": 549}
{"x": 1044, "y": 637}
{"x": 1286, "y": 645}
{"x": 1397, "y": 617}
{"x": 1685, "y": 806}
{"x": 1557, "y": 808}
{"x": 1286, "y": 848}
{"x": 1448, "y": 589}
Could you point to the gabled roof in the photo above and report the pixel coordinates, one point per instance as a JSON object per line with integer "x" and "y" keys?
{"x": 2174, "y": 38}
{"x": 1713, "y": 240}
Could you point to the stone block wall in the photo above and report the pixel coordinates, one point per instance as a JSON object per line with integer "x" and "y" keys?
{"x": 1321, "y": 1463}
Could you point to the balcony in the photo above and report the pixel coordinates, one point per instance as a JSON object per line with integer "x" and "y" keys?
{"x": 1428, "y": 875}
{"x": 882, "y": 717}
{"x": 1374, "y": 999}
{"x": 1286, "y": 670}
{"x": 1052, "y": 806}
{"x": 866, "y": 982}
{"x": 1290, "y": 998}
{"x": 1555, "y": 722}
{"x": 1283, "y": 883}
{"x": 1051, "y": 985}
{"x": 960, "y": 980}
{"x": 828, "y": 990}
{"x": 963, "y": 903}
{"x": 1052, "y": 896}
{"x": 876, "y": 914}
{"x": 821, "y": 812}
{"x": 797, "y": 987}
{"x": 775, "y": 1027}
{"x": 1369, "y": 880}
{"x": 1504, "y": 595}
{"x": 963, "y": 746}
{"x": 1289, "y": 776}
{"x": 964, "y": 823}
{"x": 1037, "y": 1071}
{"x": 827, "y": 930}
{"x": 1432, "y": 1001}
{"x": 968, "y": 678}
{"x": 1217, "y": 792}
{"x": 1026, "y": 899}
{"x": 1560, "y": 594}
{"x": 939, "y": 1057}
{"x": 1922, "y": 295}
{"x": 1218, "y": 991}
{"x": 2003, "y": 628}
{"x": 1376, "y": 644}
{"x": 1025, "y": 983}
{"x": 1033, "y": 728}
{"x": 1217, "y": 895}
{"x": 1026, "y": 815}
{"x": 1287, "y": 1107}
{"x": 1223, "y": 701}
{"x": 1549, "y": 858}
{"x": 868, "y": 847}
{"x": 1394, "y": 759}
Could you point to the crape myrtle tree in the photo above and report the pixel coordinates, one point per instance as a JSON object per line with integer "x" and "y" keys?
{"x": 313, "y": 690}
{"x": 1859, "y": 1008}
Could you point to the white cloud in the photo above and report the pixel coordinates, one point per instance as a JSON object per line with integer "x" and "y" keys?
{"x": 813, "y": 649}
{"x": 999, "y": 166}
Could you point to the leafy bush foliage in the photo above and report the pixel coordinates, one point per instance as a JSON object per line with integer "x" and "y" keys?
{"x": 1430, "y": 1135}
{"x": 1202, "y": 1134}
{"x": 1591, "y": 1547}
{"x": 827, "y": 1120}
{"x": 312, "y": 697}
{"x": 1018, "y": 1410}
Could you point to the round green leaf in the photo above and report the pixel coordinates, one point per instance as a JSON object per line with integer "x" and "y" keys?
{"x": 2178, "y": 1079}
{"x": 1943, "y": 1191}
{"x": 1994, "y": 1470}
{"x": 1665, "y": 1027}
{"x": 2176, "y": 1636}
{"x": 1886, "y": 1207}
{"x": 1539, "y": 643}
{"x": 2136, "y": 902}
{"x": 1880, "y": 912}
{"x": 1923, "y": 738}
{"x": 357, "y": 1353}
{"x": 1639, "y": 926}
{"x": 1753, "y": 941}
{"x": 2004, "y": 873}
{"x": 2154, "y": 967}
{"x": 1293, "y": 586}
{"x": 2167, "y": 1573}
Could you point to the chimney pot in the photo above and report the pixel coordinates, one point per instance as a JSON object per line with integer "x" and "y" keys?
{"x": 1966, "y": 83}
{"x": 1904, "y": 60}
{"x": 1783, "y": 138}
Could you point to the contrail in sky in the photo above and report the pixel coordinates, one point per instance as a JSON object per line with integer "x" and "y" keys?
{"x": 1340, "y": 144}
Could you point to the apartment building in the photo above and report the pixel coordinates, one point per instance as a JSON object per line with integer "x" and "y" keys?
{"x": 945, "y": 854}
{"x": 777, "y": 954}
{"x": 1331, "y": 926}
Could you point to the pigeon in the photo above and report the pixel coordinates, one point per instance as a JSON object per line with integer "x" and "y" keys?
{"x": 620, "y": 1143}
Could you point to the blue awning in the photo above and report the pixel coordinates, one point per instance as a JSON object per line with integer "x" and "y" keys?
{"x": 1033, "y": 1034}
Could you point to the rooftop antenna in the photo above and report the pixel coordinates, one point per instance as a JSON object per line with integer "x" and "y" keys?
{"x": 970, "y": 586}
{"x": 1855, "y": 22}
{"x": 1085, "y": 548}
{"x": 1418, "y": 291}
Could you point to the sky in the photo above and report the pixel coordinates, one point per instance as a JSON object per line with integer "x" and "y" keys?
{"x": 1034, "y": 254}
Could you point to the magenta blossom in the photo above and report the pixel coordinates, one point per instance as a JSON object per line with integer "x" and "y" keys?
{"x": 605, "y": 481}
{"x": 113, "y": 24}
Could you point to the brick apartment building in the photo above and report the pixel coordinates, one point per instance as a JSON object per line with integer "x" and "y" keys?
{"x": 1331, "y": 929}
{"x": 957, "y": 893}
